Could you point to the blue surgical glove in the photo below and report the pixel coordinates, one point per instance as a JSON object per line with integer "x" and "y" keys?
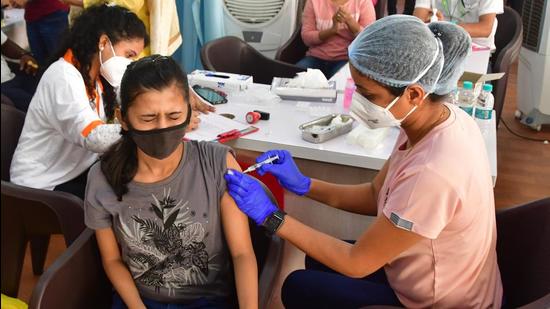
{"x": 285, "y": 170}
{"x": 249, "y": 196}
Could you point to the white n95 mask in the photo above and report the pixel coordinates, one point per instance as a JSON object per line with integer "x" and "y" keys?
{"x": 113, "y": 69}
{"x": 374, "y": 116}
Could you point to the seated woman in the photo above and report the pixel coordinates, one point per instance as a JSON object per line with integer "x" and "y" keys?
{"x": 329, "y": 27}
{"x": 164, "y": 202}
{"x": 70, "y": 117}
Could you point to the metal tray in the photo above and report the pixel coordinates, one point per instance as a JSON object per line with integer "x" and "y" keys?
{"x": 329, "y": 133}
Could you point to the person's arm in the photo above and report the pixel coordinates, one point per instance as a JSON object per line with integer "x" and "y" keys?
{"x": 380, "y": 244}
{"x": 361, "y": 199}
{"x": 481, "y": 29}
{"x": 237, "y": 234}
{"x": 116, "y": 270}
{"x": 79, "y": 3}
{"x": 26, "y": 61}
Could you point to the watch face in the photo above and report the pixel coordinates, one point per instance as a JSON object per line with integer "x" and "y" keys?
{"x": 274, "y": 221}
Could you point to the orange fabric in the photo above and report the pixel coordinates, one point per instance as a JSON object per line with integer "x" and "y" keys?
{"x": 69, "y": 57}
{"x": 88, "y": 129}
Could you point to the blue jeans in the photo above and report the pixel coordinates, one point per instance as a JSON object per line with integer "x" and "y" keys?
{"x": 45, "y": 35}
{"x": 320, "y": 287}
{"x": 328, "y": 68}
{"x": 203, "y": 303}
{"x": 20, "y": 89}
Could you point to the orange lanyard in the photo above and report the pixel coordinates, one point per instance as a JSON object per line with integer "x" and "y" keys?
{"x": 96, "y": 98}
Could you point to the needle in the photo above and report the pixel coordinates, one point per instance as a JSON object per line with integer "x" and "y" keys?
{"x": 257, "y": 165}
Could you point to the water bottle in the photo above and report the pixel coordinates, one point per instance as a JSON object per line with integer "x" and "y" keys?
{"x": 348, "y": 93}
{"x": 485, "y": 103}
{"x": 466, "y": 98}
{"x": 453, "y": 96}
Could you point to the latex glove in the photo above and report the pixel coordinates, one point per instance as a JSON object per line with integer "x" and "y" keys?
{"x": 285, "y": 170}
{"x": 249, "y": 196}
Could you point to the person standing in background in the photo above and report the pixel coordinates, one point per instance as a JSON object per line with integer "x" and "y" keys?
{"x": 46, "y": 22}
{"x": 408, "y": 10}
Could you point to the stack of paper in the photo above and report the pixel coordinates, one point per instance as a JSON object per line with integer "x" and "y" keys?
{"x": 213, "y": 125}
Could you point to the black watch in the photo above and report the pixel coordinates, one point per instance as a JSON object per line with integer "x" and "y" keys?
{"x": 274, "y": 221}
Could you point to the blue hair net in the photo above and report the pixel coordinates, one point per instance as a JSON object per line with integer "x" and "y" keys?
{"x": 401, "y": 50}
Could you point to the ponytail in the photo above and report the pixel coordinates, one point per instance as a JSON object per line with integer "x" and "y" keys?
{"x": 119, "y": 165}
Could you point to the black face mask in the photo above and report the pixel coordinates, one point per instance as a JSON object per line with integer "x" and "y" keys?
{"x": 160, "y": 143}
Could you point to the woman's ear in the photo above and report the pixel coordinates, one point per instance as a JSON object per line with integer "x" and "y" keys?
{"x": 103, "y": 40}
{"x": 415, "y": 94}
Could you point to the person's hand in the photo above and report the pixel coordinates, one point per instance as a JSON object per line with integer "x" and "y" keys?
{"x": 28, "y": 64}
{"x": 193, "y": 122}
{"x": 345, "y": 16}
{"x": 249, "y": 196}
{"x": 285, "y": 170}
{"x": 336, "y": 20}
{"x": 19, "y": 4}
{"x": 198, "y": 105}
{"x": 440, "y": 16}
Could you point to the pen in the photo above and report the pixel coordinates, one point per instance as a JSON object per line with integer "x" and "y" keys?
{"x": 257, "y": 165}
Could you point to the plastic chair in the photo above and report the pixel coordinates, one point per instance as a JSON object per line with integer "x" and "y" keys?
{"x": 79, "y": 270}
{"x": 28, "y": 213}
{"x": 12, "y": 124}
{"x": 233, "y": 55}
{"x": 508, "y": 38}
{"x": 524, "y": 254}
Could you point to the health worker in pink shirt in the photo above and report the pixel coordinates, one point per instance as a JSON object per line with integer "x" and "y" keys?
{"x": 328, "y": 27}
{"x": 433, "y": 242}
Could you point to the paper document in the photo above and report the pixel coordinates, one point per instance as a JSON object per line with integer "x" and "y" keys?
{"x": 213, "y": 125}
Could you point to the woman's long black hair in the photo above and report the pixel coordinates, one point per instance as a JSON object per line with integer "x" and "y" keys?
{"x": 82, "y": 38}
{"x": 119, "y": 164}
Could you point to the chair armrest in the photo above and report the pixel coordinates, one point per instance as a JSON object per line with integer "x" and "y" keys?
{"x": 543, "y": 302}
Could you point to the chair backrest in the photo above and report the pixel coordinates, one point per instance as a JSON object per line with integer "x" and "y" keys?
{"x": 12, "y": 124}
{"x": 79, "y": 270}
{"x": 294, "y": 49}
{"x": 28, "y": 212}
{"x": 523, "y": 249}
{"x": 75, "y": 280}
{"x": 233, "y": 55}
{"x": 508, "y": 38}
{"x": 380, "y": 8}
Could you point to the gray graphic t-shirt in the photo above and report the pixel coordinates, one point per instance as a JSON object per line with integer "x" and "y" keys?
{"x": 170, "y": 232}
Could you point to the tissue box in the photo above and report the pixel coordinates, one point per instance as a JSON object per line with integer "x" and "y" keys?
{"x": 219, "y": 80}
{"x": 326, "y": 95}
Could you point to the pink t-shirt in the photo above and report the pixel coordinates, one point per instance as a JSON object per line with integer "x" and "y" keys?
{"x": 317, "y": 16}
{"x": 442, "y": 190}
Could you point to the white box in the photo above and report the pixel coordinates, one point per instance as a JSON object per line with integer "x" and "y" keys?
{"x": 280, "y": 88}
{"x": 478, "y": 60}
{"x": 219, "y": 80}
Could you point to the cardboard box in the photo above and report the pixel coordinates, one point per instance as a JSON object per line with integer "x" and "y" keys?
{"x": 219, "y": 80}
{"x": 327, "y": 95}
{"x": 479, "y": 79}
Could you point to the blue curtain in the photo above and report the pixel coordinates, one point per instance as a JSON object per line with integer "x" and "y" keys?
{"x": 200, "y": 22}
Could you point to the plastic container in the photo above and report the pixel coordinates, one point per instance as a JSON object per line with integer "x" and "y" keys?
{"x": 348, "y": 93}
{"x": 466, "y": 98}
{"x": 485, "y": 103}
